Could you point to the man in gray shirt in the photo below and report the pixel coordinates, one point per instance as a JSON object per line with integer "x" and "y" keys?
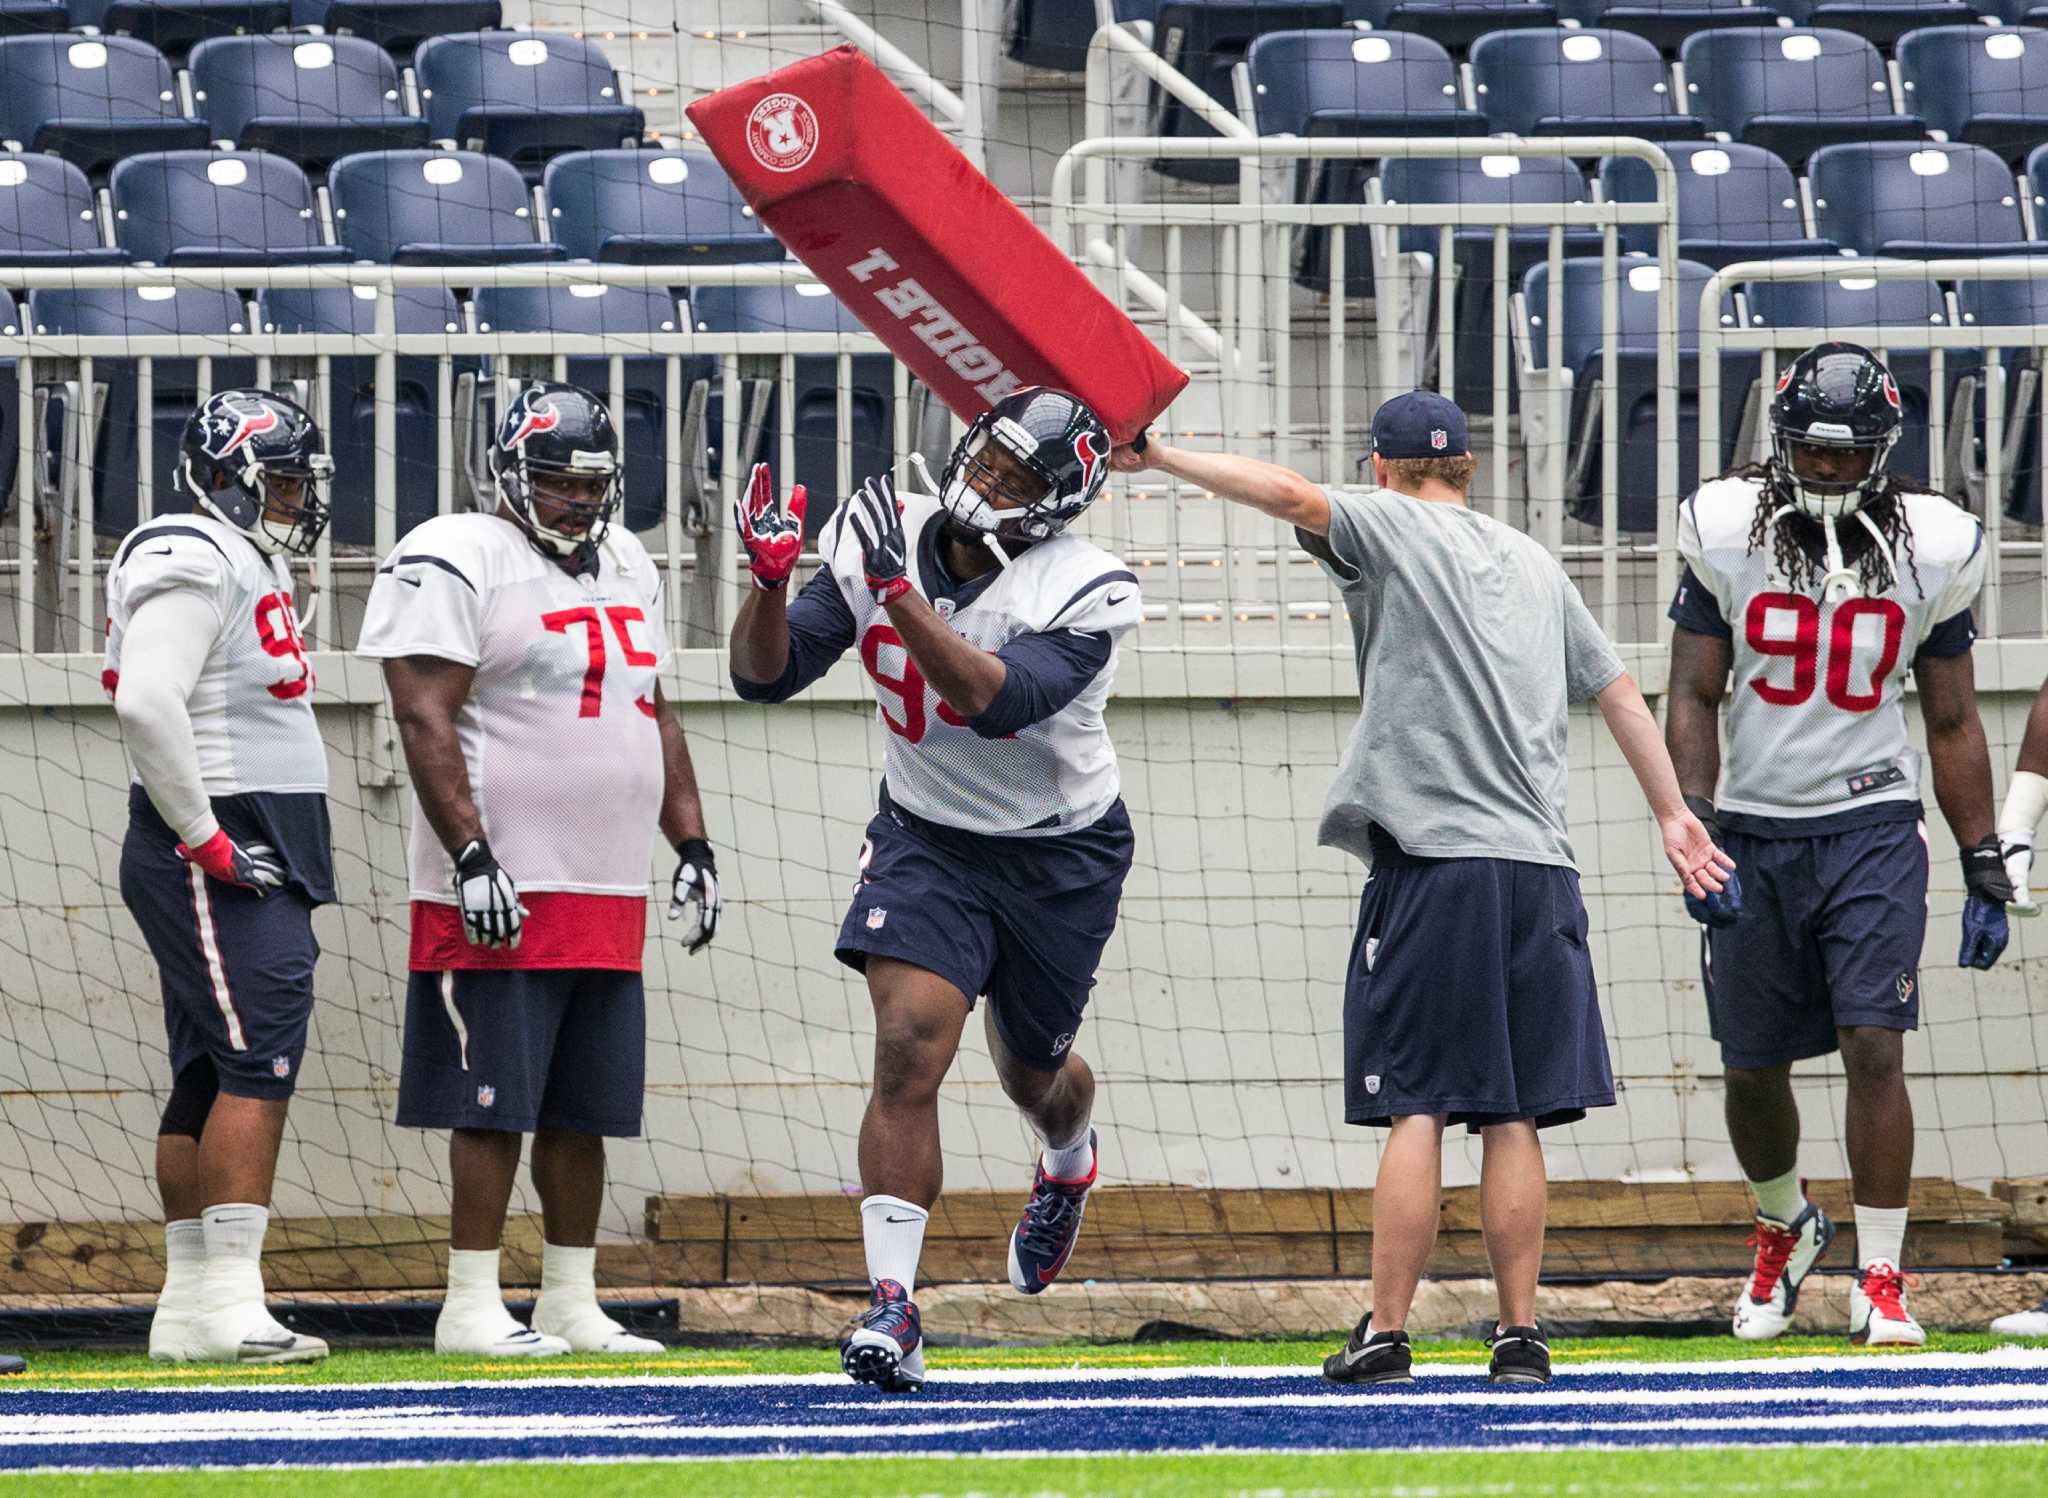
{"x": 1470, "y": 995}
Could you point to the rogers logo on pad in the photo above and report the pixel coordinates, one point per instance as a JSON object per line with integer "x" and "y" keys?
{"x": 782, "y": 132}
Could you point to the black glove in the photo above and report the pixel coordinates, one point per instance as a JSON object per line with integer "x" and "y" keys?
{"x": 491, "y": 912}
{"x": 877, "y": 521}
{"x": 696, "y": 884}
{"x": 1984, "y": 926}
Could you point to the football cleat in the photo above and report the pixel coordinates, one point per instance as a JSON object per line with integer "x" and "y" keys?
{"x": 1044, "y": 1237}
{"x": 248, "y": 1334}
{"x": 1785, "y": 1254}
{"x": 885, "y": 1346}
{"x": 1877, "y": 1308}
{"x": 2032, "y": 1323}
{"x": 1520, "y": 1356}
{"x": 1371, "y": 1357}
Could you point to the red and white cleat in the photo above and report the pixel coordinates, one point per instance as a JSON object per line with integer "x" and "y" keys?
{"x": 1045, "y": 1235}
{"x": 1877, "y": 1308}
{"x": 1785, "y": 1256}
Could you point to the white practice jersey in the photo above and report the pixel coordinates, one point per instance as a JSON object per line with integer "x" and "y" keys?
{"x": 1053, "y": 776}
{"x": 1817, "y": 720}
{"x": 558, "y": 731}
{"x": 252, "y": 709}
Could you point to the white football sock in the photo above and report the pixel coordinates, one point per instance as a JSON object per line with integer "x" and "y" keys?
{"x": 473, "y": 1282}
{"x": 233, "y": 1234}
{"x": 184, "y": 1263}
{"x": 568, "y": 1308}
{"x": 893, "y": 1231}
{"x": 1070, "y": 1162}
{"x": 1880, "y": 1234}
{"x": 1781, "y": 1198}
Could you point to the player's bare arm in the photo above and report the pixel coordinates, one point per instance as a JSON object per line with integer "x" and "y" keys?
{"x": 1957, "y": 752}
{"x": 682, "y": 813}
{"x": 1701, "y": 867}
{"x": 1692, "y": 727}
{"x": 1267, "y": 487}
{"x": 426, "y": 694}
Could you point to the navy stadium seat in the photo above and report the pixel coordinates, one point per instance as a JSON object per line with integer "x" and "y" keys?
{"x": 1576, "y": 81}
{"x": 1456, "y": 24}
{"x": 435, "y": 208}
{"x": 1339, "y": 82}
{"x": 1983, "y": 85}
{"x": 1206, "y": 41}
{"x": 217, "y": 208}
{"x": 2016, "y": 12}
{"x": 142, "y": 312}
{"x": 644, "y": 207}
{"x": 1583, "y": 285}
{"x": 1665, "y": 24}
{"x": 398, "y": 26}
{"x": 1488, "y": 180}
{"x": 1848, "y": 301}
{"x": 522, "y": 97}
{"x": 2013, "y": 304}
{"x": 314, "y": 99}
{"x": 805, "y": 309}
{"x": 1916, "y": 199}
{"x": 1880, "y": 22}
{"x": 47, "y": 215}
{"x": 352, "y": 404}
{"x": 174, "y": 28}
{"x": 1735, "y": 203}
{"x": 2036, "y": 179}
{"x": 621, "y": 313}
{"x": 1055, "y": 33}
{"x": 1792, "y": 91}
{"x": 21, "y": 17}
{"x": 91, "y": 100}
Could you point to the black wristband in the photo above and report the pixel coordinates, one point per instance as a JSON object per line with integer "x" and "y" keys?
{"x": 1702, "y": 808}
{"x": 475, "y": 857}
{"x": 1142, "y": 441}
{"x": 697, "y": 850}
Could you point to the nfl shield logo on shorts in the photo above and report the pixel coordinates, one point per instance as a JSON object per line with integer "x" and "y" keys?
{"x": 486, "y": 1097}
{"x": 281, "y": 1066}
{"x": 877, "y": 915}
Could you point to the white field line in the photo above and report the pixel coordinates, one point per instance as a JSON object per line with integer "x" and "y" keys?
{"x": 2030, "y": 1392}
{"x": 2023, "y": 1418}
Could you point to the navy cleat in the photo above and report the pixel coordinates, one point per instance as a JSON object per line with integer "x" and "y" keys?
{"x": 885, "y": 1347}
{"x": 1045, "y": 1235}
{"x": 1520, "y": 1356}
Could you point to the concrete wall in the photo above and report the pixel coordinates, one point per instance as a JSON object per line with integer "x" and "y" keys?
{"x": 1215, "y": 1030}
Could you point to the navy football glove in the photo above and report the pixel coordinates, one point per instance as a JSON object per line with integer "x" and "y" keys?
{"x": 1984, "y": 927}
{"x": 1722, "y": 908}
{"x": 877, "y": 521}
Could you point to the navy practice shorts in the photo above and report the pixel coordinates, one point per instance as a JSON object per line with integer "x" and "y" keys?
{"x": 1020, "y": 919}
{"x": 524, "y": 1049}
{"x": 1830, "y": 936}
{"x": 236, "y": 968}
{"x": 1471, "y": 994}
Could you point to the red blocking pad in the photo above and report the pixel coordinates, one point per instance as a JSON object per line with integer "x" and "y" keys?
{"x": 922, "y": 248}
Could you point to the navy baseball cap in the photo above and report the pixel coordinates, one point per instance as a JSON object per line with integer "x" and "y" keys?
{"x": 1420, "y": 424}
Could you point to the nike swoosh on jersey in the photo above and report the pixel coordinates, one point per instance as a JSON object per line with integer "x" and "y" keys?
{"x": 164, "y": 553}
{"x": 404, "y": 579}
{"x": 1115, "y": 598}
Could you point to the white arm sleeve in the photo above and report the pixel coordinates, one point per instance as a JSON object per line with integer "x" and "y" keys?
{"x": 163, "y": 650}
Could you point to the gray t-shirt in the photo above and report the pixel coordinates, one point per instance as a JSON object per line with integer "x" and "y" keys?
{"x": 1471, "y": 643}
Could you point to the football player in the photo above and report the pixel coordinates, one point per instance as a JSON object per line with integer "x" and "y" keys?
{"x": 1821, "y": 578}
{"x": 523, "y": 650}
{"x": 994, "y": 865}
{"x": 227, "y": 851}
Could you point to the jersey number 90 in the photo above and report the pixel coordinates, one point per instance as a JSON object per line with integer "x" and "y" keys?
{"x": 1803, "y": 649}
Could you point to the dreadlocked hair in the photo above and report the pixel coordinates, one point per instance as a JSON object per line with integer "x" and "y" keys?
{"x": 1801, "y": 565}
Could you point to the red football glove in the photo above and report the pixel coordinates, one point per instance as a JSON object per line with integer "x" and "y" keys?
{"x": 774, "y": 538}
{"x": 253, "y": 868}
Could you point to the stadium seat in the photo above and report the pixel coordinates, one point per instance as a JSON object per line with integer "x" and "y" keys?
{"x": 645, "y": 207}
{"x": 1577, "y": 81}
{"x": 1583, "y": 284}
{"x": 2016, "y": 12}
{"x": 622, "y": 313}
{"x": 1851, "y": 301}
{"x": 1916, "y": 199}
{"x": 1206, "y": 41}
{"x": 1666, "y": 23}
{"x": 174, "y": 28}
{"x": 1055, "y": 33}
{"x": 47, "y": 215}
{"x": 435, "y": 208}
{"x": 1879, "y": 22}
{"x": 805, "y": 309}
{"x": 1792, "y": 91}
{"x": 2012, "y": 304}
{"x": 1983, "y": 85}
{"x": 91, "y": 100}
{"x": 1312, "y": 83}
{"x": 398, "y": 26}
{"x": 217, "y": 208}
{"x": 1489, "y": 180}
{"x": 314, "y": 99}
{"x": 525, "y": 98}
{"x": 352, "y": 405}
{"x": 1734, "y": 203}
{"x": 25, "y": 17}
{"x": 144, "y": 312}
{"x": 1456, "y": 24}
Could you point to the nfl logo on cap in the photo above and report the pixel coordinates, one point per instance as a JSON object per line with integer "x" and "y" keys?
{"x": 1439, "y": 438}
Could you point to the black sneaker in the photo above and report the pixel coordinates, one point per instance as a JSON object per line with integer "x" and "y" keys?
{"x": 1371, "y": 1357}
{"x": 1520, "y": 1356}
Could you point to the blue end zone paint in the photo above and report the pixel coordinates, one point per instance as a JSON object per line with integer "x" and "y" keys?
{"x": 1913, "y": 1400}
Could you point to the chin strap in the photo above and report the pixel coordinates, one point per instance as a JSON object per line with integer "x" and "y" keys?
{"x": 1839, "y": 582}
{"x": 924, "y": 477}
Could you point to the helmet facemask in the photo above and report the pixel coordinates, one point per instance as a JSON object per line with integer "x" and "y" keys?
{"x": 572, "y": 520}
{"x": 244, "y": 491}
{"x": 993, "y": 486}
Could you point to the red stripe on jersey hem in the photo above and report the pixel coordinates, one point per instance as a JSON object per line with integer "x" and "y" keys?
{"x": 562, "y": 930}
